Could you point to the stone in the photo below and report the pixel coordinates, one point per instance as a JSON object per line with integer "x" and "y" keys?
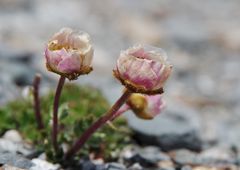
{"x": 184, "y": 157}
{"x": 39, "y": 164}
{"x": 24, "y": 79}
{"x": 173, "y": 129}
{"x": 186, "y": 168}
{"x": 153, "y": 154}
{"x": 8, "y": 167}
{"x": 85, "y": 164}
{"x": 166, "y": 165}
{"x": 213, "y": 157}
{"x": 12, "y": 142}
{"x": 136, "y": 166}
{"x": 14, "y": 147}
{"x": 115, "y": 166}
{"x": 15, "y": 160}
{"x": 12, "y": 135}
{"x": 137, "y": 158}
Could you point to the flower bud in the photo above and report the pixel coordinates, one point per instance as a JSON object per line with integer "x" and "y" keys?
{"x": 146, "y": 106}
{"x": 143, "y": 69}
{"x": 69, "y": 53}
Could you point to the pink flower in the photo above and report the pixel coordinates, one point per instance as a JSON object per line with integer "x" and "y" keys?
{"x": 69, "y": 53}
{"x": 146, "y": 106}
{"x": 143, "y": 69}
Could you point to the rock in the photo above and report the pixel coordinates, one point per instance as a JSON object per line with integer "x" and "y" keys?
{"x": 184, "y": 157}
{"x": 24, "y": 78}
{"x": 15, "y": 160}
{"x": 174, "y": 129}
{"x": 115, "y": 166}
{"x": 153, "y": 154}
{"x": 12, "y": 135}
{"x": 137, "y": 158}
{"x": 214, "y": 157}
{"x": 14, "y": 4}
{"x": 136, "y": 166}
{"x": 15, "y": 56}
{"x": 218, "y": 155}
{"x": 186, "y": 168}
{"x": 166, "y": 165}
{"x": 8, "y": 167}
{"x": 39, "y": 164}
{"x": 12, "y": 142}
{"x": 14, "y": 147}
{"x": 86, "y": 164}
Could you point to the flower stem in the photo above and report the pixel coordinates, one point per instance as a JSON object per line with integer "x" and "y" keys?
{"x": 95, "y": 126}
{"x": 55, "y": 112}
{"x": 37, "y": 110}
{"x": 123, "y": 109}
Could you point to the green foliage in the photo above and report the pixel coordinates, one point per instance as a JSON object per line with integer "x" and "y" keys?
{"x": 80, "y": 106}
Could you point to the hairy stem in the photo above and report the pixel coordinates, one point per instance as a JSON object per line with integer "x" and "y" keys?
{"x": 37, "y": 110}
{"x": 55, "y": 112}
{"x": 95, "y": 126}
{"x": 123, "y": 109}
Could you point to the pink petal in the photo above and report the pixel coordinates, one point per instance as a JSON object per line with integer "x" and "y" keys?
{"x": 53, "y": 57}
{"x": 155, "y": 104}
{"x": 69, "y": 64}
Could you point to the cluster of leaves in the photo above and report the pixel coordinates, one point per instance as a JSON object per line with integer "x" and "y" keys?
{"x": 80, "y": 107}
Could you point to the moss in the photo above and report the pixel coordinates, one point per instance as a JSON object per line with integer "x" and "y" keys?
{"x": 80, "y": 106}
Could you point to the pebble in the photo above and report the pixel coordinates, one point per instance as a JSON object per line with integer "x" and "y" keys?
{"x": 115, "y": 166}
{"x": 15, "y": 160}
{"x": 173, "y": 129}
{"x": 141, "y": 161}
{"x": 12, "y": 142}
{"x": 12, "y": 135}
{"x": 42, "y": 164}
{"x": 9, "y": 167}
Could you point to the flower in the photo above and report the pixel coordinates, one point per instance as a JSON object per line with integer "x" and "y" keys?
{"x": 146, "y": 106}
{"x": 69, "y": 53}
{"x": 143, "y": 69}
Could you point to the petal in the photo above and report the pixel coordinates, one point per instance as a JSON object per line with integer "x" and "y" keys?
{"x": 155, "y": 104}
{"x": 87, "y": 57}
{"x": 70, "y": 63}
{"x": 164, "y": 74}
{"x": 53, "y": 58}
{"x": 79, "y": 40}
{"x": 62, "y": 36}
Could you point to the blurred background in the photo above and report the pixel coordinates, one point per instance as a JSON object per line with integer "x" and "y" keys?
{"x": 202, "y": 39}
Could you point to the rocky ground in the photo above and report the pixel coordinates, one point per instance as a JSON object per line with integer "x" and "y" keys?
{"x": 200, "y": 127}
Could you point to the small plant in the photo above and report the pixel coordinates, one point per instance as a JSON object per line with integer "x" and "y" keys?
{"x": 79, "y": 107}
{"x": 80, "y": 114}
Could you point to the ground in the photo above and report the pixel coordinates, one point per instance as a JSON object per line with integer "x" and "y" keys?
{"x": 202, "y": 40}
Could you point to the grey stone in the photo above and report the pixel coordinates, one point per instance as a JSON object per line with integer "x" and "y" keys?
{"x": 115, "y": 166}
{"x": 173, "y": 129}
{"x": 215, "y": 157}
{"x": 14, "y": 147}
{"x": 9, "y": 167}
{"x": 186, "y": 168}
{"x": 39, "y": 164}
{"x": 12, "y": 142}
{"x": 185, "y": 157}
{"x": 153, "y": 154}
{"x": 12, "y": 135}
{"x": 15, "y": 160}
{"x": 139, "y": 159}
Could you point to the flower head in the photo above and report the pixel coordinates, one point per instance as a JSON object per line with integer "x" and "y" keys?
{"x": 69, "y": 53}
{"x": 146, "y": 106}
{"x": 143, "y": 69}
